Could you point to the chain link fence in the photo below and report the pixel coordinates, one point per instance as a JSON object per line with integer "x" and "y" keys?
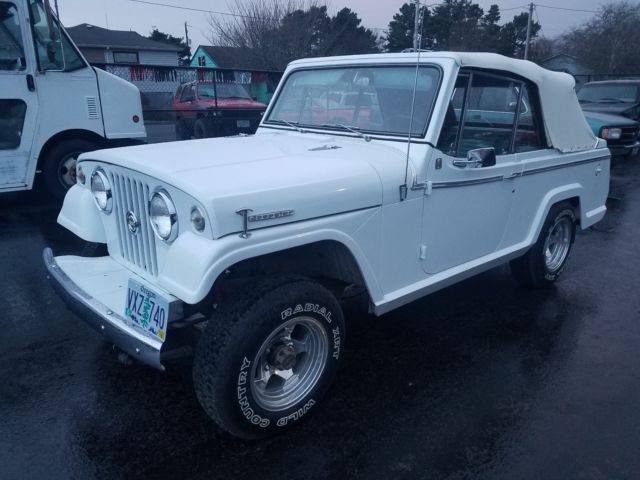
{"x": 180, "y": 103}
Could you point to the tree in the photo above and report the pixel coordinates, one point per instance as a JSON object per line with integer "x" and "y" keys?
{"x": 607, "y": 43}
{"x": 460, "y": 25}
{"x": 271, "y": 33}
{"x": 513, "y": 35}
{"x": 184, "y": 56}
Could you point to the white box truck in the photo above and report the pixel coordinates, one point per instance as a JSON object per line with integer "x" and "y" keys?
{"x": 53, "y": 104}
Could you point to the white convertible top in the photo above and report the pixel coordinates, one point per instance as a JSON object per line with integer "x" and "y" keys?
{"x": 565, "y": 125}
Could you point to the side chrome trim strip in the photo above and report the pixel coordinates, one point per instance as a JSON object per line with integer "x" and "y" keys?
{"x": 575, "y": 163}
{"x": 465, "y": 183}
{"x": 533, "y": 171}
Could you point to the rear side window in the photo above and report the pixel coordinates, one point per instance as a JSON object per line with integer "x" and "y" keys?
{"x": 491, "y": 111}
{"x": 529, "y": 132}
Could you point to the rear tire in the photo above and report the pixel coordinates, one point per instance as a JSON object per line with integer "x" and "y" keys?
{"x": 544, "y": 262}
{"x": 59, "y": 165}
{"x": 267, "y": 356}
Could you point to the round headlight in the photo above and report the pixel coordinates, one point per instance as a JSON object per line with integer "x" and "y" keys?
{"x": 197, "y": 219}
{"x": 101, "y": 189}
{"x": 163, "y": 216}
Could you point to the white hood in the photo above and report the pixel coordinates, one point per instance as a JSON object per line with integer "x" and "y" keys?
{"x": 313, "y": 175}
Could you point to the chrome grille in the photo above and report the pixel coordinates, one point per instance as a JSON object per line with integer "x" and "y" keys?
{"x": 131, "y": 195}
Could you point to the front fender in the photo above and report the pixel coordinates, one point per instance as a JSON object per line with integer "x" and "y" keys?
{"x": 193, "y": 263}
{"x": 80, "y": 215}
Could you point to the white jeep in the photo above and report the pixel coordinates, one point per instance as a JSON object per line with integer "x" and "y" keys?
{"x": 440, "y": 166}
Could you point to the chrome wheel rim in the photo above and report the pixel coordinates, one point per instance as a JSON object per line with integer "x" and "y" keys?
{"x": 557, "y": 244}
{"x": 67, "y": 170}
{"x": 289, "y": 363}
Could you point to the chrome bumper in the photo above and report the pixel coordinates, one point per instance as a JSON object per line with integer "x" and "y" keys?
{"x": 113, "y": 326}
{"x": 623, "y": 150}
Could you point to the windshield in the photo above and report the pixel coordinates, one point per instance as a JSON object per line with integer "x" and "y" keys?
{"x": 53, "y": 48}
{"x": 612, "y": 93}
{"x": 224, "y": 90}
{"x": 370, "y": 99}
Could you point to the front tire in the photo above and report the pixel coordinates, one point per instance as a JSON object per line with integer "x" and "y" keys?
{"x": 59, "y": 165}
{"x": 204, "y": 128}
{"x": 268, "y": 356}
{"x": 183, "y": 132}
{"x": 544, "y": 262}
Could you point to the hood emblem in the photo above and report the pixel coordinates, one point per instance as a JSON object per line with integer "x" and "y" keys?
{"x": 261, "y": 217}
{"x": 247, "y": 218}
{"x": 132, "y": 222}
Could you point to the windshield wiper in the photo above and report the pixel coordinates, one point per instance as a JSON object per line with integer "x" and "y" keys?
{"x": 366, "y": 138}
{"x": 289, "y": 124}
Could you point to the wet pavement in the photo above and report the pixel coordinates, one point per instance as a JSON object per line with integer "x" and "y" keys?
{"x": 483, "y": 380}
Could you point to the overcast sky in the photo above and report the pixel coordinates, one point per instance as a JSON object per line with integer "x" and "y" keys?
{"x": 127, "y": 15}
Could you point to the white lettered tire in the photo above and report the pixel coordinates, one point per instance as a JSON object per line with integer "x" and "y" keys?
{"x": 268, "y": 356}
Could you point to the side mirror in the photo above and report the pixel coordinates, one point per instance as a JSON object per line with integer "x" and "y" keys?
{"x": 485, "y": 157}
{"x": 480, "y": 157}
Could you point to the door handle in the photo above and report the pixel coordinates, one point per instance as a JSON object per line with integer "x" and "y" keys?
{"x": 513, "y": 175}
{"x": 31, "y": 84}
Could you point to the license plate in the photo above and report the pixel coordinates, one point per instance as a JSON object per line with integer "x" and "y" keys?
{"x": 147, "y": 309}
{"x": 243, "y": 123}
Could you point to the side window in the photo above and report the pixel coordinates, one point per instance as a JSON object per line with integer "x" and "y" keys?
{"x": 11, "y": 44}
{"x": 449, "y": 133}
{"x": 489, "y": 114}
{"x": 187, "y": 94}
{"x": 12, "y": 113}
{"x": 528, "y": 133}
{"x": 125, "y": 57}
{"x": 53, "y": 48}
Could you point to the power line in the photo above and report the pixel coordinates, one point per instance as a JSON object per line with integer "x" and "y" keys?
{"x": 514, "y": 8}
{"x": 567, "y": 9}
{"x": 180, "y": 7}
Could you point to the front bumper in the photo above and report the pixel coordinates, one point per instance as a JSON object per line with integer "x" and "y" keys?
{"x": 624, "y": 150}
{"x": 102, "y": 318}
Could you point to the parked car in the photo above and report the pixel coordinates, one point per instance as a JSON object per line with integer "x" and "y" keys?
{"x": 215, "y": 109}
{"x": 621, "y": 133}
{"x": 244, "y": 247}
{"x": 617, "y": 97}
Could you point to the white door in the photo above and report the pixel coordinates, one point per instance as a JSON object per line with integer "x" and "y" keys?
{"x": 18, "y": 97}
{"x": 468, "y": 208}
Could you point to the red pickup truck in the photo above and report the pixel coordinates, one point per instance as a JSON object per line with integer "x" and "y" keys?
{"x": 215, "y": 109}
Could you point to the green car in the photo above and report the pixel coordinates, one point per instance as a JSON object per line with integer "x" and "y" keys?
{"x": 621, "y": 133}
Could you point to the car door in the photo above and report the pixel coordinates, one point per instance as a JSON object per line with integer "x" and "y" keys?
{"x": 18, "y": 98}
{"x": 468, "y": 202}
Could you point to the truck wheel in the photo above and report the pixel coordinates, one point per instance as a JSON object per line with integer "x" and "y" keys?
{"x": 182, "y": 130}
{"x": 59, "y": 165}
{"x": 203, "y": 128}
{"x": 267, "y": 357}
{"x": 545, "y": 260}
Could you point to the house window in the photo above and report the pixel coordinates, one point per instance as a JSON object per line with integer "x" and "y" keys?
{"x": 202, "y": 61}
{"x": 125, "y": 57}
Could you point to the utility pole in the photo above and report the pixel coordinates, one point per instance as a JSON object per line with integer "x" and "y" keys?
{"x": 529, "y": 20}
{"x": 416, "y": 27}
{"x": 186, "y": 34}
